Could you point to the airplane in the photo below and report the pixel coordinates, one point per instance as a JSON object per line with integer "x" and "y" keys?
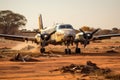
{"x": 58, "y": 35}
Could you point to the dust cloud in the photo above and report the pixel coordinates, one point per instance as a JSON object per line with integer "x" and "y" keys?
{"x": 29, "y": 47}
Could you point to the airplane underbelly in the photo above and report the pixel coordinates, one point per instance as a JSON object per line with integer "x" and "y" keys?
{"x": 57, "y": 37}
{"x": 79, "y": 37}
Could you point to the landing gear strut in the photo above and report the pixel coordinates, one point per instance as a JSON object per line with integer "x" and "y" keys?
{"x": 42, "y": 50}
{"x": 67, "y": 50}
{"x": 77, "y": 50}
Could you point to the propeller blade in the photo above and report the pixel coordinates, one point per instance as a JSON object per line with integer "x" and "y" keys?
{"x": 95, "y": 31}
{"x": 52, "y": 32}
{"x": 82, "y": 31}
{"x": 43, "y": 43}
{"x": 88, "y": 36}
{"x": 46, "y": 36}
{"x": 86, "y": 42}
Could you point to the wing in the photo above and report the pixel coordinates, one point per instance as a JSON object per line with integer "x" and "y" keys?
{"x": 100, "y": 37}
{"x": 17, "y": 38}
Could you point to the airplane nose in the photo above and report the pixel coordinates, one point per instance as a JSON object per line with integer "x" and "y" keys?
{"x": 69, "y": 37}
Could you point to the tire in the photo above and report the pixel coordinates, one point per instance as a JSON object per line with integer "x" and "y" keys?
{"x": 67, "y": 51}
{"x": 42, "y": 50}
{"x": 77, "y": 51}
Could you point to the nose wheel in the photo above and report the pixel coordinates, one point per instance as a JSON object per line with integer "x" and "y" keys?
{"x": 42, "y": 50}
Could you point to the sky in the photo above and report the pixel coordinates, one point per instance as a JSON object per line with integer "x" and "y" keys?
{"x": 93, "y": 13}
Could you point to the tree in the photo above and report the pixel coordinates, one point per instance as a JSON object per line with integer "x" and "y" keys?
{"x": 10, "y": 22}
{"x": 104, "y": 32}
{"x": 115, "y": 30}
{"x": 86, "y": 28}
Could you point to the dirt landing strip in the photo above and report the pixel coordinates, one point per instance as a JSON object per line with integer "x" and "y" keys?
{"x": 40, "y": 70}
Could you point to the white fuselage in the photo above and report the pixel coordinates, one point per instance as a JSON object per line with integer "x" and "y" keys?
{"x": 63, "y": 32}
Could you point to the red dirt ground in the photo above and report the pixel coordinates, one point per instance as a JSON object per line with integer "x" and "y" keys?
{"x": 95, "y": 52}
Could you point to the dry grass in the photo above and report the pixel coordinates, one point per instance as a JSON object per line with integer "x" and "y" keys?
{"x": 112, "y": 76}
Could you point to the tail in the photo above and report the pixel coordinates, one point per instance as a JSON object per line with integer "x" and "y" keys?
{"x": 40, "y": 22}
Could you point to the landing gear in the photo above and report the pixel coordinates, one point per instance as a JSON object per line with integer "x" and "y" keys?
{"x": 42, "y": 50}
{"x": 77, "y": 50}
{"x": 67, "y": 51}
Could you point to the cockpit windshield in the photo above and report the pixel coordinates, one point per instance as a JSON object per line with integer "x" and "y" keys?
{"x": 65, "y": 27}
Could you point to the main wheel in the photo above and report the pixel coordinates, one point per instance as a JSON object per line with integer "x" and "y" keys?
{"x": 77, "y": 51}
{"x": 42, "y": 50}
{"x": 67, "y": 51}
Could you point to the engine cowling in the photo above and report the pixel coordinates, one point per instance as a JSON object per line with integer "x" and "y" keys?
{"x": 88, "y": 36}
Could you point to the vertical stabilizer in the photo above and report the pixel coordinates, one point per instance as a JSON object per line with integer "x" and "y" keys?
{"x": 40, "y": 22}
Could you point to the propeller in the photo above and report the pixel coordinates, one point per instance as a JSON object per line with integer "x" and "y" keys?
{"x": 88, "y": 36}
{"x": 45, "y": 37}
{"x": 95, "y": 31}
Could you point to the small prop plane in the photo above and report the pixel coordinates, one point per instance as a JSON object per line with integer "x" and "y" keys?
{"x": 58, "y": 35}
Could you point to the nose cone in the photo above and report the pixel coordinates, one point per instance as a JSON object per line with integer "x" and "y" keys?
{"x": 69, "y": 35}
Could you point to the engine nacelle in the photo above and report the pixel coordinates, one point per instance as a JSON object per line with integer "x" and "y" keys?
{"x": 38, "y": 38}
{"x": 79, "y": 37}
